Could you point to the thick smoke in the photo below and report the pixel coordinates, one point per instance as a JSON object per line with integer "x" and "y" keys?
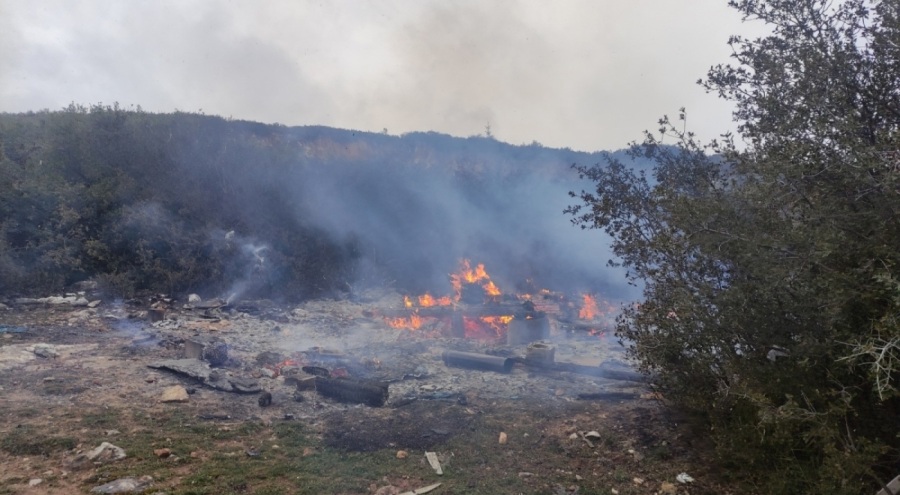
{"x": 418, "y": 220}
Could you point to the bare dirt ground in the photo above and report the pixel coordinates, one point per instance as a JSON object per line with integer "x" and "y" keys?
{"x": 74, "y": 377}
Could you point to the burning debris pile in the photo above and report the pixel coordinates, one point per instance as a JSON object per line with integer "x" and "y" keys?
{"x": 478, "y": 309}
{"x": 380, "y": 353}
{"x": 322, "y": 362}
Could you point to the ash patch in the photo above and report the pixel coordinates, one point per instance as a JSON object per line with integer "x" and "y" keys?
{"x": 418, "y": 426}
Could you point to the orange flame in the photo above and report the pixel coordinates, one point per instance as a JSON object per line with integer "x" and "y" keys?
{"x": 414, "y": 322}
{"x": 466, "y": 275}
{"x": 486, "y": 327}
{"x": 491, "y": 289}
{"x": 499, "y": 323}
{"x": 427, "y": 300}
{"x": 589, "y": 309}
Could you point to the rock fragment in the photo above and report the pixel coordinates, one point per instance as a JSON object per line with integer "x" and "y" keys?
{"x": 174, "y": 394}
{"x": 103, "y": 454}
{"x": 125, "y": 485}
{"x": 45, "y": 351}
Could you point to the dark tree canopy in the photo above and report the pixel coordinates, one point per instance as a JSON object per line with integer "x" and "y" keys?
{"x": 770, "y": 260}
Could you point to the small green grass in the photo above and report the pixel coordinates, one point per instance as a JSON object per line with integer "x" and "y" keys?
{"x": 24, "y": 440}
{"x": 103, "y": 418}
{"x": 293, "y": 457}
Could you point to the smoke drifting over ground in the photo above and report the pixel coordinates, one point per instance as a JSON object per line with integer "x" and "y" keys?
{"x": 416, "y": 222}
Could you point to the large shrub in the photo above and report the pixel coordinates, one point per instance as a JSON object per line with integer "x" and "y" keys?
{"x": 771, "y": 267}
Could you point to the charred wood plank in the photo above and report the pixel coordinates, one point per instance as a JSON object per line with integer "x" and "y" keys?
{"x": 483, "y": 362}
{"x": 598, "y": 371}
{"x": 371, "y": 393}
{"x": 601, "y": 372}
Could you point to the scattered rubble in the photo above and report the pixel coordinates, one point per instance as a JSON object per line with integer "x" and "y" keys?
{"x": 69, "y": 299}
{"x": 326, "y": 356}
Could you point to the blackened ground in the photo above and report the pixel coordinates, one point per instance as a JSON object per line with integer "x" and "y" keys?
{"x": 420, "y": 425}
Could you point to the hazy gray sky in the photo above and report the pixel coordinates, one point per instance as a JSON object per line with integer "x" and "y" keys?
{"x": 587, "y": 75}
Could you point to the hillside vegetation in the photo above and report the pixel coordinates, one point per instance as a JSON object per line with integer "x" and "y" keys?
{"x": 189, "y": 202}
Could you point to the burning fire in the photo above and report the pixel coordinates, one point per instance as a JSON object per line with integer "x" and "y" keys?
{"x": 471, "y": 281}
{"x": 427, "y": 300}
{"x": 589, "y": 309}
{"x": 414, "y": 322}
{"x": 499, "y": 323}
{"x": 486, "y": 327}
{"x": 466, "y": 275}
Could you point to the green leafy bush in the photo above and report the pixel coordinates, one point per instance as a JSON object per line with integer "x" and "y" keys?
{"x": 770, "y": 267}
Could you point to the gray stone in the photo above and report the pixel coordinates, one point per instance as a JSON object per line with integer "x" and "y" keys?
{"x": 125, "y": 485}
{"x": 193, "y": 368}
{"x": 45, "y": 351}
{"x": 245, "y": 385}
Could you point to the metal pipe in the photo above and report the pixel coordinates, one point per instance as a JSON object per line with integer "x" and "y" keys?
{"x": 475, "y": 361}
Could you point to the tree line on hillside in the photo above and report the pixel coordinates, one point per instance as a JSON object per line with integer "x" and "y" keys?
{"x": 771, "y": 267}
{"x": 146, "y": 202}
{"x": 189, "y": 202}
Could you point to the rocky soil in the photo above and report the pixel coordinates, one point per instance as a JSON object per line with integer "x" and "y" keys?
{"x": 73, "y": 376}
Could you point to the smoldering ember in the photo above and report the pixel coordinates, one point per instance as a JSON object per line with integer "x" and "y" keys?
{"x": 377, "y": 314}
